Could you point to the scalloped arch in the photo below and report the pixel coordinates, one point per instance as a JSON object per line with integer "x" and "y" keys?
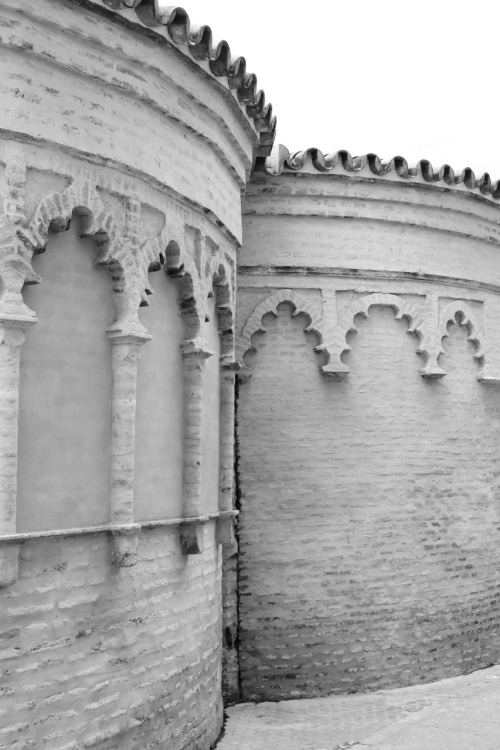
{"x": 432, "y": 343}
{"x": 360, "y": 306}
{"x": 167, "y": 251}
{"x": 468, "y": 319}
{"x": 269, "y": 305}
{"x": 218, "y": 275}
{"x": 117, "y": 253}
{"x": 53, "y": 213}
{"x": 219, "y": 282}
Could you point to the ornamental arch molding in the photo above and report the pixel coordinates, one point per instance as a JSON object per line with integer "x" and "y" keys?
{"x": 218, "y": 280}
{"x": 116, "y": 252}
{"x": 337, "y": 345}
{"x": 460, "y": 312}
{"x": 53, "y": 214}
{"x": 255, "y": 325}
{"x": 167, "y": 251}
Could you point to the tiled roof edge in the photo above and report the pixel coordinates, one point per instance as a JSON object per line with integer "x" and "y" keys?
{"x": 282, "y": 161}
{"x": 199, "y": 43}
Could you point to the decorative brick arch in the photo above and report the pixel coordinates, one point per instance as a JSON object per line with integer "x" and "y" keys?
{"x": 116, "y": 252}
{"x": 459, "y": 312}
{"x": 361, "y": 306}
{"x": 167, "y": 251}
{"x": 219, "y": 283}
{"x": 254, "y": 323}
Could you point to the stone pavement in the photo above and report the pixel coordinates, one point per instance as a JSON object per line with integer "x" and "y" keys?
{"x": 460, "y": 713}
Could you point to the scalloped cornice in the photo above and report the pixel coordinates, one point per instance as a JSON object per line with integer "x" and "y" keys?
{"x": 312, "y": 159}
{"x": 199, "y": 43}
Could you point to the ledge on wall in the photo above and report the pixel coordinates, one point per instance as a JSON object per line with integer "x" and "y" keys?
{"x": 9, "y": 543}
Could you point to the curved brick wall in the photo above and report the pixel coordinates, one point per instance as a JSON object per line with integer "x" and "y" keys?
{"x": 368, "y": 470}
{"x": 122, "y": 161}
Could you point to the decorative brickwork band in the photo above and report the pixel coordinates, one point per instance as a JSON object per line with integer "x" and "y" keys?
{"x": 12, "y": 335}
{"x": 194, "y": 354}
{"x": 424, "y": 320}
{"x": 125, "y": 355}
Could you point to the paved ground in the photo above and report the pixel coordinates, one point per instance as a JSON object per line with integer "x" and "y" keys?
{"x": 462, "y": 713}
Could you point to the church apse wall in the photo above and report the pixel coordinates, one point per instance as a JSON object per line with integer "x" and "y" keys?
{"x": 355, "y": 303}
{"x": 122, "y": 162}
{"x": 368, "y": 431}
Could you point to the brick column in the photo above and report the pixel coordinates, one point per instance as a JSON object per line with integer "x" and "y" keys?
{"x": 12, "y": 336}
{"x": 225, "y": 523}
{"x": 125, "y": 356}
{"x": 194, "y": 354}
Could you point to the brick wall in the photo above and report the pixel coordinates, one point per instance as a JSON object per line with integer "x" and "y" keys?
{"x": 94, "y": 656}
{"x": 112, "y": 127}
{"x": 369, "y": 523}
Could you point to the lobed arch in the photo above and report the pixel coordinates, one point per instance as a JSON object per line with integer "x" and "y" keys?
{"x": 168, "y": 253}
{"x": 115, "y": 252}
{"x": 218, "y": 281}
{"x": 255, "y": 325}
{"x": 459, "y": 312}
{"x": 361, "y": 306}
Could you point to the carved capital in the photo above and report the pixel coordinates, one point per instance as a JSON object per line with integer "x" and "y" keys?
{"x": 195, "y": 349}
{"x": 120, "y": 336}
{"x": 13, "y": 330}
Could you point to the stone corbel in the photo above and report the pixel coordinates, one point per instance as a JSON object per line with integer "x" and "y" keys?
{"x": 12, "y": 336}
{"x": 194, "y": 354}
{"x": 126, "y": 347}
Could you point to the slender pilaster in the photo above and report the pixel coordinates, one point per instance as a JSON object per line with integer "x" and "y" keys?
{"x": 225, "y": 523}
{"x": 125, "y": 356}
{"x": 194, "y": 354}
{"x": 12, "y": 336}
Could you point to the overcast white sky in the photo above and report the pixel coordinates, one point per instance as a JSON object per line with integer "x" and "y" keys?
{"x": 393, "y": 77}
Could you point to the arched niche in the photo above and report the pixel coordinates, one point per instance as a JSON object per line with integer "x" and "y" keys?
{"x": 160, "y": 406}
{"x": 65, "y": 389}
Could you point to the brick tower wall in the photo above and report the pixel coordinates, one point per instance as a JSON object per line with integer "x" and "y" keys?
{"x": 122, "y": 161}
{"x": 368, "y": 478}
